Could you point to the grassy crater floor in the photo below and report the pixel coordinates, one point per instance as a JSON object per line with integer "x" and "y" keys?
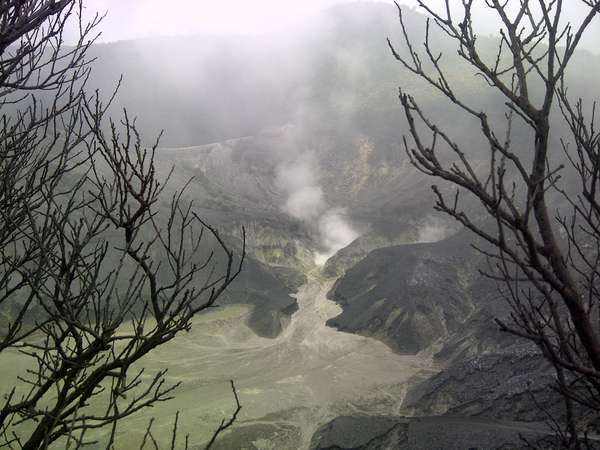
{"x": 288, "y": 386}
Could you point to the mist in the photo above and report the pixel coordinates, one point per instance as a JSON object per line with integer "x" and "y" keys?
{"x": 335, "y": 232}
{"x": 299, "y": 180}
{"x": 433, "y": 230}
{"x": 134, "y": 19}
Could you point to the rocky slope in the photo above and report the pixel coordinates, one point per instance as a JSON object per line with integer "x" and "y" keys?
{"x": 431, "y": 298}
{"x": 424, "y": 433}
{"x": 411, "y": 296}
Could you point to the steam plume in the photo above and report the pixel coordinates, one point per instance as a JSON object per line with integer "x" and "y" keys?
{"x": 299, "y": 180}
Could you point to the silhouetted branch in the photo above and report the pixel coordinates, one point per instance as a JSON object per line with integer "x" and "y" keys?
{"x": 99, "y": 262}
{"x": 226, "y": 424}
{"x": 549, "y": 266}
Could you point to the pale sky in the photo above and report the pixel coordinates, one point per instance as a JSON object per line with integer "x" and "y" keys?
{"x": 131, "y": 19}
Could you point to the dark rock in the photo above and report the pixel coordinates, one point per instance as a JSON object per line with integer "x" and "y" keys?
{"x": 290, "y": 277}
{"x": 424, "y": 433}
{"x": 274, "y": 435}
{"x": 511, "y": 384}
{"x": 409, "y": 296}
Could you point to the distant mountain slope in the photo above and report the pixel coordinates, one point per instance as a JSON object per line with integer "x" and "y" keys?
{"x": 328, "y": 91}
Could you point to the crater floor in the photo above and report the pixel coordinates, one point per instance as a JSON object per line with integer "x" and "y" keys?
{"x": 287, "y": 386}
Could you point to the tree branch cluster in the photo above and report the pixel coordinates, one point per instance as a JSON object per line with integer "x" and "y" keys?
{"x": 547, "y": 263}
{"x": 99, "y": 264}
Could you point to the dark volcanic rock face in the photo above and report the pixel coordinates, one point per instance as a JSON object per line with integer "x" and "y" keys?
{"x": 270, "y": 297}
{"x": 431, "y": 296}
{"x": 500, "y": 385}
{"x": 265, "y": 436}
{"x": 361, "y": 433}
{"x": 410, "y": 296}
{"x": 232, "y": 196}
{"x": 424, "y": 433}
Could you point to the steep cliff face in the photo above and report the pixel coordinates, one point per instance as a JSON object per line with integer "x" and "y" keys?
{"x": 487, "y": 373}
{"x": 269, "y": 296}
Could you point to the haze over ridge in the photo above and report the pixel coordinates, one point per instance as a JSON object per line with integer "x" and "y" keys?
{"x": 136, "y": 19}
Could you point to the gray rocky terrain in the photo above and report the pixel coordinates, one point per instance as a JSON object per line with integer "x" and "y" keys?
{"x": 425, "y": 433}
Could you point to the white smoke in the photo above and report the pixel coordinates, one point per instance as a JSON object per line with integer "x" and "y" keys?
{"x": 433, "y": 230}
{"x": 299, "y": 180}
{"x": 306, "y": 203}
{"x": 335, "y": 233}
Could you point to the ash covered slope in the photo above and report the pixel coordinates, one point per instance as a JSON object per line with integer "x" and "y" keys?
{"x": 410, "y": 296}
{"x": 418, "y": 296}
{"x": 423, "y": 433}
{"x": 430, "y": 298}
